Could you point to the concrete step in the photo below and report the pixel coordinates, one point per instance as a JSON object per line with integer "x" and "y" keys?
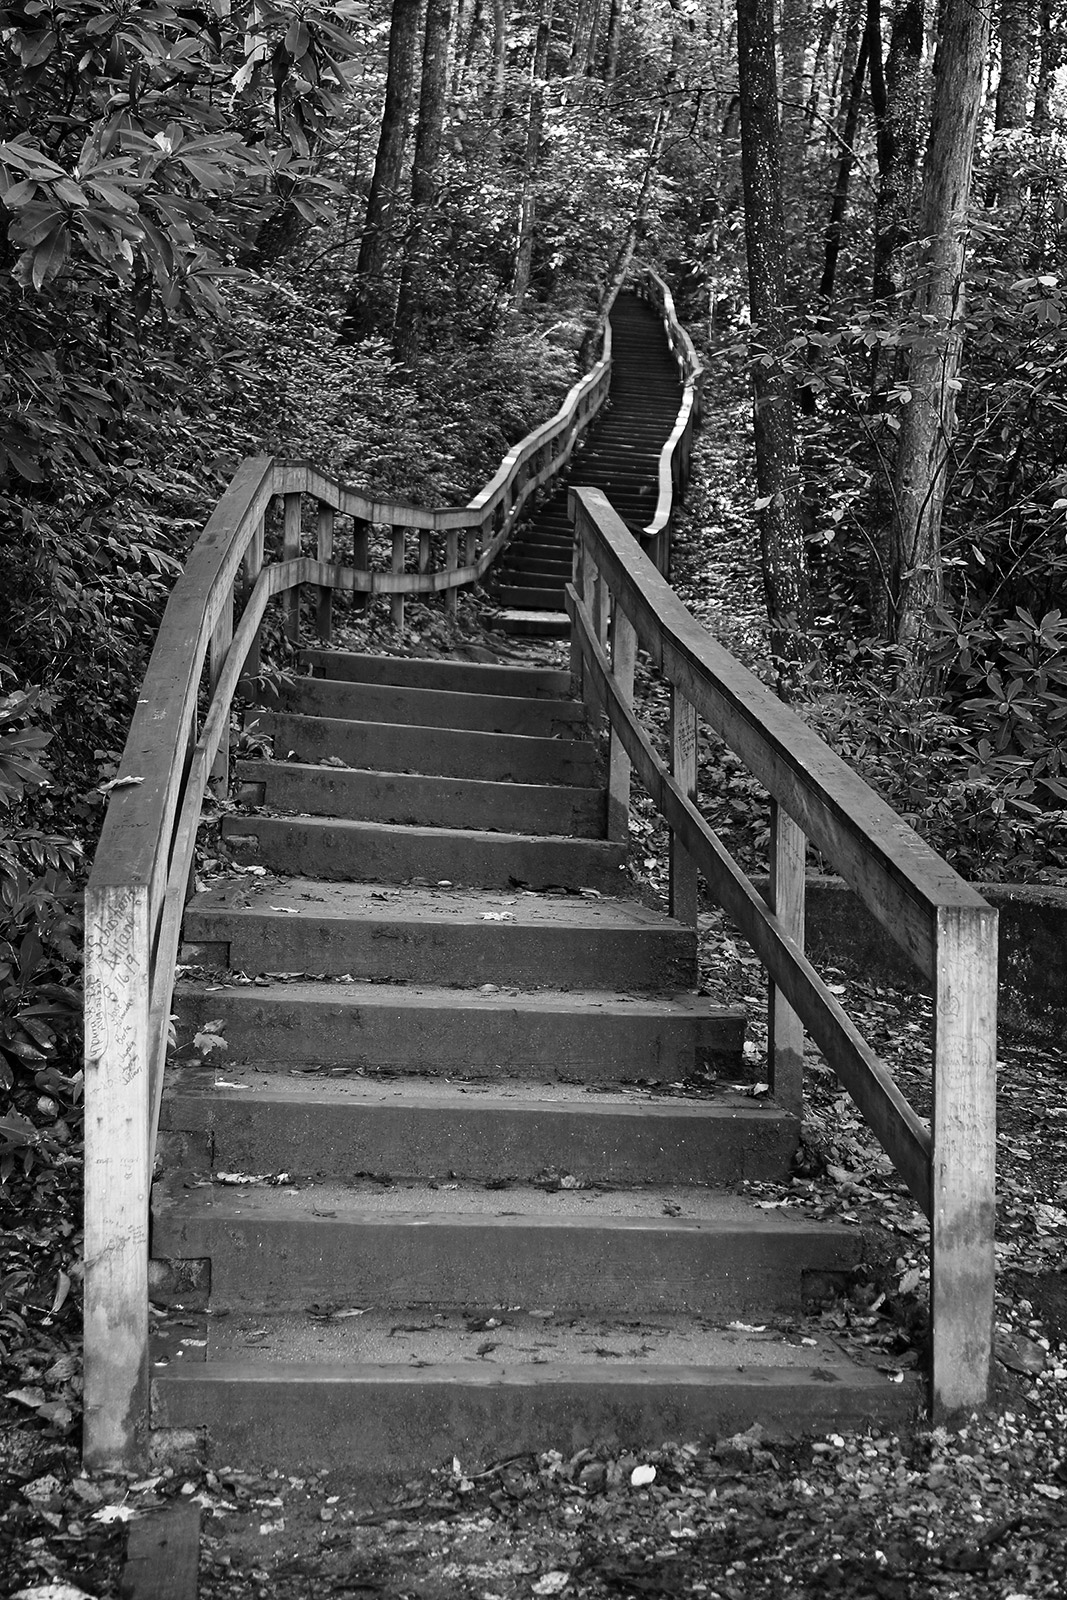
{"x": 442, "y": 752}
{"x": 433, "y": 672}
{"x": 640, "y": 1252}
{"x": 537, "y": 718}
{"x": 333, "y": 1129}
{"x": 423, "y": 800}
{"x": 383, "y": 1397}
{"x": 498, "y": 1033}
{"x": 385, "y": 852}
{"x": 438, "y": 936}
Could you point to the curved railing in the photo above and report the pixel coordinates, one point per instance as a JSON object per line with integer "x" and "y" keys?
{"x": 946, "y": 928}
{"x": 141, "y": 872}
{"x": 674, "y": 458}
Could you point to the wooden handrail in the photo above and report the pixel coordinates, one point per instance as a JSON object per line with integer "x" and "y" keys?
{"x": 141, "y": 872}
{"x": 941, "y": 921}
{"x": 672, "y": 471}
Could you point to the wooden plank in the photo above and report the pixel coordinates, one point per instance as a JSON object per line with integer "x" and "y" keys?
{"x": 684, "y": 881}
{"x": 623, "y": 662}
{"x": 324, "y": 551}
{"x": 117, "y": 1176}
{"x": 162, "y": 1555}
{"x": 785, "y": 896}
{"x": 221, "y": 636}
{"x": 251, "y": 567}
{"x": 451, "y": 563}
{"x": 294, "y": 505}
{"x": 901, "y": 1132}
{"x": 361, "y": 535}
{"x": 962, "y": 1263}
{"x": 894, "y": 872}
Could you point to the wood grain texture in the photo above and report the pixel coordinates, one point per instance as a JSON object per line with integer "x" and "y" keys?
{"x": 785, "y": 896}
{"x": 684, "y": 878}
{"x": 162, "y": 1555}
{"x": 623, "y": 663}
{"x": 117, "y": 1175}
{"x": 324, "y": 552}
{"x": 964, "y": 1175}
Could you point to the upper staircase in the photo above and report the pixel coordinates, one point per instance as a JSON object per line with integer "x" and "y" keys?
{"x": 620, "y": 454}
{"x": 448, "y": 1152}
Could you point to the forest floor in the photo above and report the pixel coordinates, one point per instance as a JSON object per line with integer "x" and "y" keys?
{"x": 977, "y": 1513}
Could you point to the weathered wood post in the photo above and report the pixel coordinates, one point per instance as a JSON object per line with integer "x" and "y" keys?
{"x": 251, "y": 567}
{"x": 324, "y": 550}
{"x": 963, "y": 1177}
{"x": 623, "y": 662}
{"x": 361, "y": 557}
{"x": 451, "y": 563}
{"x": 221, "y": 639}
{"x": 290, "y": 552}
{"x": 785, "y": 896}
{"x": 684, "y": 882}
{"x": 396, "y": 601}
{"x": 117, "y": 1176}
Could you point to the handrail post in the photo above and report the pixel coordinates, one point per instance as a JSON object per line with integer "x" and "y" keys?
{"x": 290, "y": 552}
{"x": 451, "y": 563}
{"x": 396, "y": 601}
{"x": 785, "y": 897}
{"x": 361, "y": 557}
{"x": 623, "y": 660}
{"x": 117, "y": 1176}
{"x": 963, "y": 1176}
{"x": 684, "y": 887}
{"x": 324, "y": 550}
{"x": 580, "y": 558}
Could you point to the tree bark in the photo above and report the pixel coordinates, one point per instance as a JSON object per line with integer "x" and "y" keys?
{"x": 895, "y": 102}
{"x": 835, "y": 226}
{"x": 781, "y": 540}
{"x": 795, "y": 36}
{"x": 1049, "y": 61}
{"x": 928, "y": 417}
{"x": 1013, "y": 88}
{"x": 370, "y": 302}
{"x": 611, "y": 46}
{"x": 528, "y": 201}
{"x": 432, "y": 101}
{"x": 822, "y": 47}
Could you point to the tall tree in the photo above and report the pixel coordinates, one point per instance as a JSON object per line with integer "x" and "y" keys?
{"x": 528, "y": 197}
{"x": 928, "y": 418}
{"x": 410, "y": 310}
{"x": 1015, "y": 32}
{"x": 857, "y": 41}
{"x": 611, "y": 45}
{"x": 895, "y": 96}
{"x": 795, "y": 38}
{"x": 370, "y": 301}
{"x": 781, "y": 539}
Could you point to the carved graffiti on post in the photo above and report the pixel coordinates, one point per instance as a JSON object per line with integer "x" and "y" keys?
{"x": 685, "y": 736}
{"x": 112, "y": 986}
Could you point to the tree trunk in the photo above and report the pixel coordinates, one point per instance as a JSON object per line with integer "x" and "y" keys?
{"x": 432, "y": 101}
{"x": 370, "y": 302}
{"x": 826, "y": 33}
{"x": 781, "y": 540}
{"x": 611, "y": 47}
{"x": 528, "y": 201}
{"x": 496, "y": 87}
{"x": 835, "y": 227}
{"x": 1013, "y": 87}
{"x": 928, "y": 417}
{"x": 895, "y": 101}
{"x": 795, "y": 35}
{"x": 1050, "y": 59}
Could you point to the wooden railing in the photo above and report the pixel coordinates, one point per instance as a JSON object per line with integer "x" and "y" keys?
{"x": 675, "y": 456}
{"x": 137, "y": 892}
{"x": 944, "y": 925}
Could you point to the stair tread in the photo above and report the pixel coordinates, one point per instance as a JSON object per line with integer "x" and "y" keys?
{"x": 464, "y": 677}
{"x": 384, "y": 1339}
{"x": 234, "y": 826}
{"x": 692, "y": 1210}
{"x": 413, "y": 903}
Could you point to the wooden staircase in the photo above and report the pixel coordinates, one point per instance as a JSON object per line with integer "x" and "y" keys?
{"x": 467, "y": 1180}
{"x": 620, "y": 455}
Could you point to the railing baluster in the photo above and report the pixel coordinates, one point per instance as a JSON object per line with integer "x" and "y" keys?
{"x": 424, "y": 550}
{"x": 963, "y": 1179}
{"x": 396, "y": 601}
{"x": 361, "y": 557}
{"x": 251, "y": 567}
{"x": 324, "y": 609}
{"x": 290, "y": 551}
{"x": 785, "y": 896}
{"x": 623, "y": 661}
{"x": 451, "y": 563}
{"x": 684, "y": 887}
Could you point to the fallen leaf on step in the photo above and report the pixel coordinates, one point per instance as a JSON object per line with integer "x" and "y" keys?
{"x": 498, "y": 916}
{"x": 290, "y": 911}
{"x": 118, "y": 783}
{"x": 552, "y": 1583}
{"x": 1020, "y": 1355}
